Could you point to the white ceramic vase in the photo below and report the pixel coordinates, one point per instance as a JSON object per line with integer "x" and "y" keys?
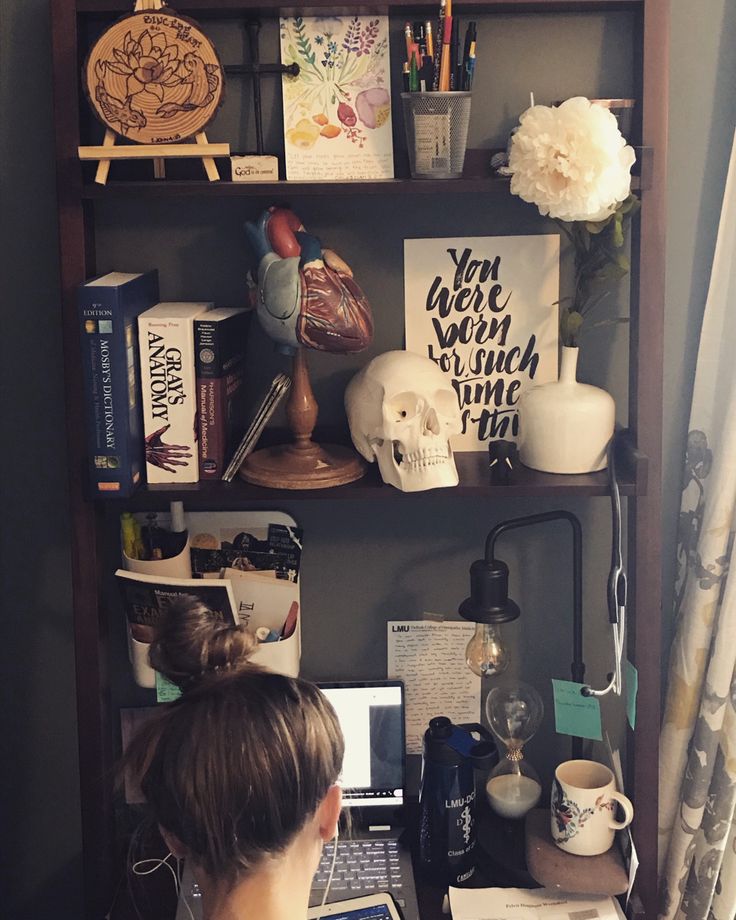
{"x": 565, "y": 426}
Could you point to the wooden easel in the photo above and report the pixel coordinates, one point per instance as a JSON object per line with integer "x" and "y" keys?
{"x": 108, "y": 151}
{"x": 159, "y": 153}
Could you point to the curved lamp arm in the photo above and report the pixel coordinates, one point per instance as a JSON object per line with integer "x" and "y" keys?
{"x": 578, "y": 666}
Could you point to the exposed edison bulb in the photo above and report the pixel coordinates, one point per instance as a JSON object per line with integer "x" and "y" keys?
{"x": 486, "y": 654}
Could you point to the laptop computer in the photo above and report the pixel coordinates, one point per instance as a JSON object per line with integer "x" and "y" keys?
{"x": 369, "y": 857}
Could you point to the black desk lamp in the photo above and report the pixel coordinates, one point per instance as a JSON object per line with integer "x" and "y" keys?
{"x": 489, "y": 604}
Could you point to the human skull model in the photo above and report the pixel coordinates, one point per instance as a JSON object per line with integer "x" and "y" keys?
{"x": 402, "y": 412}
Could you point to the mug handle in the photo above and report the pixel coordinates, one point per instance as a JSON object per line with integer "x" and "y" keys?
{"x": 628, "y": 812}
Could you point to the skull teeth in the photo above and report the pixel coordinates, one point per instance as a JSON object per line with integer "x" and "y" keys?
{"x": 421, "y": 459}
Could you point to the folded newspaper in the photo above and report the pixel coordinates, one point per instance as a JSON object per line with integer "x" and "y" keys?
{"x": 534, "y": 904}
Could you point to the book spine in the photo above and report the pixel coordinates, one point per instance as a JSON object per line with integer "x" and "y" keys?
{"x": 114, "y": 463}
{"x": 212, "y": 403}
{"x": 219, "y": 379}
{"x": 168, "y": 386}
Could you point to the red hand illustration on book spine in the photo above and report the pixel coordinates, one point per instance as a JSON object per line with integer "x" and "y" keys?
{"x": 165, "y": 456}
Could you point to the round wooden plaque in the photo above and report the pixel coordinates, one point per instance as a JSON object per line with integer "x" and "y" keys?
{"x": 154, "y": 77}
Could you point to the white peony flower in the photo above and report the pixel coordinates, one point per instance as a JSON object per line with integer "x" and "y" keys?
{"x": 571, "y": 160}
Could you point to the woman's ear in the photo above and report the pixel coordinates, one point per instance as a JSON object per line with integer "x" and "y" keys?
{"x": 328, "y": 813}
{"x": 173, "y": 843}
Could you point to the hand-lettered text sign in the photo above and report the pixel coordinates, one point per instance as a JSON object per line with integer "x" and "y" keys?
{"x": 485, "y": 310}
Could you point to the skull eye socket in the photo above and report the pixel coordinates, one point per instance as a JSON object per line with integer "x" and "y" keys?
{"x": 445, "y": 402}
{"x": 402, "y": 407}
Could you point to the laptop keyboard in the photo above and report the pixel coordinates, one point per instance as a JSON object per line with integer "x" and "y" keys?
{"x": 361, "y": 867}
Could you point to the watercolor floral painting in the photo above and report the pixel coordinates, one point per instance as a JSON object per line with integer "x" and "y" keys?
{"x": 337, "y": 111}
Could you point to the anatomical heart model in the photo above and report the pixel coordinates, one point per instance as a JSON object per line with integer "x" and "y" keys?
{"x": 307, "y": 298}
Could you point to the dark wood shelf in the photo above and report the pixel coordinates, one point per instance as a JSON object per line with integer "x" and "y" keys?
{"x": 191, "y": 188}
{"x": 234, "y": 7}
{"x": 195, "y": 188}
{"x": 472, "y": 468}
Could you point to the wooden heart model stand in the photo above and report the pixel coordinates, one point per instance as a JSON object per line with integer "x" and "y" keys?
{"x": 154, "y": 78}
{"x": 302, "y": 464}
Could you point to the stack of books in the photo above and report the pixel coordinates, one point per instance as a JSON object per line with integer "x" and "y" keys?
{"x": 164, "y": 384}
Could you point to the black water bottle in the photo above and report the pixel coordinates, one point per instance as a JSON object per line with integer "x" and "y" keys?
{"x": 447, "y": 834}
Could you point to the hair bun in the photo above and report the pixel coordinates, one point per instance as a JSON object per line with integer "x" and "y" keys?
{"x": 192, "y": 642}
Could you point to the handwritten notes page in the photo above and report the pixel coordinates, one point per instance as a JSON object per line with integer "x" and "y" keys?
{"x": 484, "y": 309}
{"x": 430, "y": 658}
{"x": 337, "y": 111}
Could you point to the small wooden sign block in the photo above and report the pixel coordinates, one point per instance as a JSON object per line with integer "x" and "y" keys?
{"x": 554, "y": 868}
{"x": 254, "y": 168}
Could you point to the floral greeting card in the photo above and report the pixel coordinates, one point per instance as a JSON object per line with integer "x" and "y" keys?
{"x": 337, "y": 111}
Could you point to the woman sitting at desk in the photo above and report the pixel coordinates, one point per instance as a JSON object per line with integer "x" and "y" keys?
{"x": 240, "y": 772}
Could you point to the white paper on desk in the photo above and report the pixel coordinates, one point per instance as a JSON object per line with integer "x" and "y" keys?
{"x": 633, "y": 857}
{"x": 429, "y": 657}
{"x": 261, "y": 601}
{"x": 522, "y": 904}
{"x": 625, "y": 840}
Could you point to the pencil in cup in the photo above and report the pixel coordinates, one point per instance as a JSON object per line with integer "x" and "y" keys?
{"x": 446, "y": 58}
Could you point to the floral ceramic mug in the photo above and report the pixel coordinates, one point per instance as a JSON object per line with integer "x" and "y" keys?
{"x": 584, "y": 798}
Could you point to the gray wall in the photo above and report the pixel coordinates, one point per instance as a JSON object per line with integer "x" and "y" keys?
{"x": 41, "y": 866}
{"x": 409, "y": 572}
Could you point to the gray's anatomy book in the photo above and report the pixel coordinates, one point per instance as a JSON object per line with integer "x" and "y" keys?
{"x": 168, "y": 385}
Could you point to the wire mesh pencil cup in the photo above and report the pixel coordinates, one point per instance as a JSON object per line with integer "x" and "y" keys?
{"x": 436, "y": 133}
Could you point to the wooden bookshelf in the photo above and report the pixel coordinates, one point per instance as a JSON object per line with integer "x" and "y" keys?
{"x": 78, "y": 199}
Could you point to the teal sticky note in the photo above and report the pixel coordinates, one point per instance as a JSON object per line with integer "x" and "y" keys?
{"x": 632, "y": 688}
{"x": 576, "y": 714}
{"x": 166, "y": 692}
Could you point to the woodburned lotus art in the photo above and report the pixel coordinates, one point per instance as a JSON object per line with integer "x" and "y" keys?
{"x": 154, "y": 77}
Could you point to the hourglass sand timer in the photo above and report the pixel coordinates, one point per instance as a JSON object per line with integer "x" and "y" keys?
{"x": 514, "y": 712}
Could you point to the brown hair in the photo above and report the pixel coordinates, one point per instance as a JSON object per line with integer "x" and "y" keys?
{"x": 242, "y": 759}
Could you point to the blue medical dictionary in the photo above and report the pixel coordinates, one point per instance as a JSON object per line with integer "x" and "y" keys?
{"x": 108, "y": 309}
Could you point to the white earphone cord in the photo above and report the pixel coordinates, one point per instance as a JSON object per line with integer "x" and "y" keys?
{"x": 155, "y": 865}
{"x": 617, "y": 587}
{"x": 332, "y": 868}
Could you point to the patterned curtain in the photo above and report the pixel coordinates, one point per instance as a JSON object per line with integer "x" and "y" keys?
{"x": 697, "y": 844}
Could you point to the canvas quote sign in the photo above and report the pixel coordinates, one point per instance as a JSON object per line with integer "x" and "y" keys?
{"x": 337, "y": 111}
{"x": 485, "y": 310}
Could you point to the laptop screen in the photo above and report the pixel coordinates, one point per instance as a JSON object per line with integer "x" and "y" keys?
{"x": 371, "y": 717}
